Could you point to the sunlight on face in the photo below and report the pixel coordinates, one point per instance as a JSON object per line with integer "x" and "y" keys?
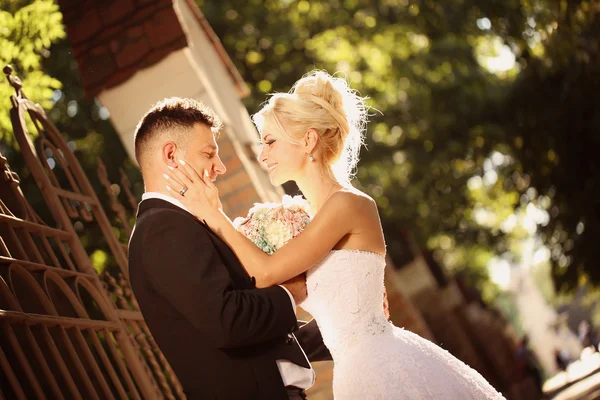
{"x": 202, "y": 152}
{"x": 283, "y": 159}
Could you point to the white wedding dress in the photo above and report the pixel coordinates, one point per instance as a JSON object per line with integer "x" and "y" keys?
{"x": 373, "y": 359}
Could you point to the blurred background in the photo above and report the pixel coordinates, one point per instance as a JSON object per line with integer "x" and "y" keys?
{"x": 481, "y": 151}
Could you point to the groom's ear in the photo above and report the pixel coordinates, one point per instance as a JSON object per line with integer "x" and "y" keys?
{"x": 169, "y": 154}
{"x": 311, "y": 138}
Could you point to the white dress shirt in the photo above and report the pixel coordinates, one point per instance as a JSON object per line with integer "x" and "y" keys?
{"x": 291, "y": 374}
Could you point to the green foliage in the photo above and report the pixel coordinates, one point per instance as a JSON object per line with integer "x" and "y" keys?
{"x": 553, "y": 122}
{"x": 458, "y": 84}
{"x": 33, "y": 41}
{"x": 487, "y": 129}
{"x": 26, "y": 33}
{"x": 416, "y": 61}
{"x": 86, "y": 125}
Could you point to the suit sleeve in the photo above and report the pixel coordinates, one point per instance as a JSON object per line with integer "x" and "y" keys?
{"x": 310, "y": 338}
{"x": 183, "y": 266}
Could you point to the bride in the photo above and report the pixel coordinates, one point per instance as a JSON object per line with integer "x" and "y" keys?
{"x": 312, "y": 136}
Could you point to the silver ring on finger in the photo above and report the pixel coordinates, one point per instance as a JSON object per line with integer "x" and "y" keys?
{"x": 183, "y": 190}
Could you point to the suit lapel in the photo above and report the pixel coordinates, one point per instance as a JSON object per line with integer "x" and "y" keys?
{"x": 239, "y": 276}
{"x": 230, "y": 260}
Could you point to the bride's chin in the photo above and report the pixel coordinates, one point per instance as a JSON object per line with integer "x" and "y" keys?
{"x": 277, "y": 181}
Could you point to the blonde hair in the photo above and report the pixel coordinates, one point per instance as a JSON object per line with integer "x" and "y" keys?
{"x": 328, "y": 105}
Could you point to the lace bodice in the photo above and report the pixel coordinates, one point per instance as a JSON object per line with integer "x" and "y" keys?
{"x": 345, "y": 295}
{"x": 372, "y": 358}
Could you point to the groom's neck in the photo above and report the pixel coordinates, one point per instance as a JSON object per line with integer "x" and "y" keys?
{"x": 156, "y": 185}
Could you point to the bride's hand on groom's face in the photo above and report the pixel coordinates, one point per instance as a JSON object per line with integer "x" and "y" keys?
{"x": 195, "y": 191}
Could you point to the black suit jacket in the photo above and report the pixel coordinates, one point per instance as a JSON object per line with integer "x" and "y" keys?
{"x": 220, "y": 334}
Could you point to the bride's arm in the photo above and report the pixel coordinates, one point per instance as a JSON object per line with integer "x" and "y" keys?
{"x": 329, "y": 226}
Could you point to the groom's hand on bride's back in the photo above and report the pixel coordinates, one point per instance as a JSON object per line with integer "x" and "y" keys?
{"x": 297, "y": 287}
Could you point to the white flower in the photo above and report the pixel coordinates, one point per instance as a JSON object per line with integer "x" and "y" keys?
{"x": 277, "y": 234}
{"x": 258, "y": 207}
{"x": 295, "y": 203}
{"x": 238, "y": 221}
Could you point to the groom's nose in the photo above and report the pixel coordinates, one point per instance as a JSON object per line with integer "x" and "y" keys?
{"x": 220, "y": 167}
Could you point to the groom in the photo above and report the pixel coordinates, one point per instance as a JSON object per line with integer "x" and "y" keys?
{"x": 224, "y": 338}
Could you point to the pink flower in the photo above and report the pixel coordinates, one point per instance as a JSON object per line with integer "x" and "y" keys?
{"x": 270, "y": 225}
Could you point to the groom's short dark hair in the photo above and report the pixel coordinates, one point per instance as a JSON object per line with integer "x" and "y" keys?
{"x": 172, "y": 115}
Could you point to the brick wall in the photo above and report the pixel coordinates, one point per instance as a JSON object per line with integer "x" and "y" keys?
{"x": 236, "y": 189}
{"x": 113, "y": 39}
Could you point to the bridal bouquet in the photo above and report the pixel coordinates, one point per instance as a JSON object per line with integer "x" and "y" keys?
{"x": 272, "y": 225}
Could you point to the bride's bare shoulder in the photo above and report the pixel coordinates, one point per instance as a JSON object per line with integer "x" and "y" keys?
{"x": 352, "y": 199}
